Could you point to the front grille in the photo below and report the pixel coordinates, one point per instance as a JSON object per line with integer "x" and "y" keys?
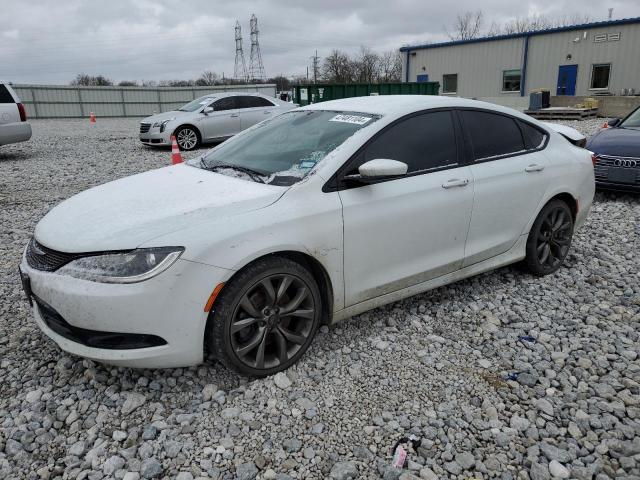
{"x": 45, "y": 259}
{"x": 144, "y": 127}
{"x": 95, "y": 338}
{"x": 605, "y": 162}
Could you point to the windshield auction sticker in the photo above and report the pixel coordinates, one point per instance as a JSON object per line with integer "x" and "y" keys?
{"x": 356, "y": 119}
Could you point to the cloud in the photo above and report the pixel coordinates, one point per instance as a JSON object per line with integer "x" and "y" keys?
{"x": 163, "y": 39}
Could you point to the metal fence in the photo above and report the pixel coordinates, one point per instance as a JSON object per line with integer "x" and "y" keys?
{"x": 55, "y": 101}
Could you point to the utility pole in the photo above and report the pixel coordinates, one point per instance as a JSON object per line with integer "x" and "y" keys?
{"x": 315, "y": 66}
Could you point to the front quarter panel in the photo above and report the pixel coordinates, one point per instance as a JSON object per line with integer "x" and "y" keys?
{"x": 304, "y": 220}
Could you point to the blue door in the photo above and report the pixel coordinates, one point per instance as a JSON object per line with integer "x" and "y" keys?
{"x": 422, "y": 78}
{"x": 567, "y": 75}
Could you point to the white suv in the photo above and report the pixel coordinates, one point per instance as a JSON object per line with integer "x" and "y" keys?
{"x": 13, "y": 117}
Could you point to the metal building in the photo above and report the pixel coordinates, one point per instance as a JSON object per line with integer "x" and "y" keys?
{"x": 589, "y": 59}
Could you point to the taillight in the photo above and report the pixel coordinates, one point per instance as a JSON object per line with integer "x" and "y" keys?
{"x": 23, "y": 112}
{"x": 594, "y": 159}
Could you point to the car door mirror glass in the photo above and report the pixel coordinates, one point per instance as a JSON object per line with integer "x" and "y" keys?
{"x": 382, "y": 168}
{"x": 614, "y": 122}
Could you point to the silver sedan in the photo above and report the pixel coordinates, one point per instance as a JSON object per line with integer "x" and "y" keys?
{"x": 210, "y": 119}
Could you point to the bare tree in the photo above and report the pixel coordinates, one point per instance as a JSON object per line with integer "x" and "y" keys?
{"x": 208, "y": 78}
{"x": 337, "y": 68}
{"x": 468, "y": 25}
{"x": 84, "y": 80}
{"x": 366, "y": 64}
{"x": 390, "y": 66}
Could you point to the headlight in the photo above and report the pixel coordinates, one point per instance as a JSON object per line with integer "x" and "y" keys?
{"x": 162, "y": 124}
{"x": 126, "y": 267}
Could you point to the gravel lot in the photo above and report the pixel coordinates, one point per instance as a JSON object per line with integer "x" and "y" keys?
{"x": 500, "y": 376}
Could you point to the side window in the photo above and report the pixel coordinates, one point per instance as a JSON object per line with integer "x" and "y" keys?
{"x": 5, "y": 96}
{"x": 533, "y": 137}
{"x": 492, "y": 134}
{"x": 424, "y": 142}
{"x": 252, "y": 102}
{"x": 226, "y": 103}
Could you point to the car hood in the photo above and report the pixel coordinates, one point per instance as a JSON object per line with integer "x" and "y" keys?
{"x": 623, "y": 142}
{"x": 160, "y": 117}
{"x": 125, "y": 213}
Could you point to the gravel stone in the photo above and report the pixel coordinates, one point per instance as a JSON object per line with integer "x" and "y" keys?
{"x": 454, "y": 366}
{"x": 246, "y": 471}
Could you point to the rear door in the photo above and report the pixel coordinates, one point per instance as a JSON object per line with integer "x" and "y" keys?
{"x": 224, "y": 121}
{"x": 8, "y": 109}
{"x": 254, "y": 110}
{"x": 510, "y": 178}
{"x": 404, "y": 231}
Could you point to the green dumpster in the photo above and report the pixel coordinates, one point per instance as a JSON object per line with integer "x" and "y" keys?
{"x": 306, "y": 94}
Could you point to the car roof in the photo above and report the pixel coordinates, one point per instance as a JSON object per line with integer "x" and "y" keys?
{"x": 401, "y": 104}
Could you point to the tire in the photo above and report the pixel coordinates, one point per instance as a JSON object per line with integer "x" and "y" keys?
{"x": 258, "y": 330}
{"x": 188, "y": 138}
{"x": 549, "y": 239}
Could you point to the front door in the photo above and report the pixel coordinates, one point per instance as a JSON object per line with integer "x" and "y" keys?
{"x": 567, "y": 75}
{"x": 224, "y": 121}
{"x": 510, "y": 178}
{"x": 408, "y": 230}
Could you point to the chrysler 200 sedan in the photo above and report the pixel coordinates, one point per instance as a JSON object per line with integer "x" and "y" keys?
{"x": 307, "y": 218}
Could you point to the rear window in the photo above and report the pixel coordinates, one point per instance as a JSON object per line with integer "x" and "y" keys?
{"x": 5, "y": 96}
{"x": 534, "y": 138}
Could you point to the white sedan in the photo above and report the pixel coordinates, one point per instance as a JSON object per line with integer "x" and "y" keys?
{"x": 308, "y": 218}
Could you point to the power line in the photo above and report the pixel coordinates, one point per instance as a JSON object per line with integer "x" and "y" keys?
{"x": 256, "y": 68}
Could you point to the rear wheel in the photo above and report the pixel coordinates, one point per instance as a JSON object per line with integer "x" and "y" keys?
{"x": 187, "y": 138}
{"x": 265, "y": 318}
{"x": 550, "y": 238}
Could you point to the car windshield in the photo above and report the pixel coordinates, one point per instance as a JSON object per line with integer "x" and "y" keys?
{"x": 282, "y": 150}
{"x": 633, "y": 120}
{"x": 196, "y": 104}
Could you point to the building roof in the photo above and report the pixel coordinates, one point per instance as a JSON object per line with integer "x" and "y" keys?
{"x": 583, "y": 26}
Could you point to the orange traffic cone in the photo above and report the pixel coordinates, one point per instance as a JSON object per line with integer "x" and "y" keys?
{"x": 175, "y": 151}
{"x": 92, "y": 117}
{"x": 605, "y": 125}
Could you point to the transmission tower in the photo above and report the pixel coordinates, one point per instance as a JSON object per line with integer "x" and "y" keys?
{"x": 256, "y": 68}
{"x": 240, "y": 70}
{"x": 315, "y": 59}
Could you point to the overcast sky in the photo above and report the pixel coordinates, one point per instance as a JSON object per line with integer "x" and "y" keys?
{"x": 49, "y": 42}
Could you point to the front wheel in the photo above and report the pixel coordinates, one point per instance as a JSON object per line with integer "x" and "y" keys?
{"x": 265, "y": 318}
{"x": 187, "y": 138}
{"x": 550, "y": 238}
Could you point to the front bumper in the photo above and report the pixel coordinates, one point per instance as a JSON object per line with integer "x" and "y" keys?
{"x": 155, "y": 137}
{"x": 169, "y": 307}
{"x": 617, "y": 187}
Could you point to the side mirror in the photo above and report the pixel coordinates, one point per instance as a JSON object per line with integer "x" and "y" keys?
{"x": 207, "y": 110}
{"x": 379, "y": 169}
{"x": 614, "y": 122}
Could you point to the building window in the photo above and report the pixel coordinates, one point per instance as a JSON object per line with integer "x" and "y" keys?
{"x": 450, "y": 83}
{"x": 600, "y": 75}
{"x": 511, "y": 81}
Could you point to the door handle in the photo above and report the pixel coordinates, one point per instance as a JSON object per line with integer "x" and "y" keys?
{"x": 456, "y": 182}
{"x": 234, "y": 115}
{"x": 267, "y": 113}
{"x": 534, "y": 167}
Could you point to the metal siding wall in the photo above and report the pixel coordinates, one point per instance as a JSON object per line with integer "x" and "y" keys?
{"x": 49, "y": 101}
{"x": 548, "y": 52}
{"x": 479, "y": 65}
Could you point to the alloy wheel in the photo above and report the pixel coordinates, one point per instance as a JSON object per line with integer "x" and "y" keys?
{"x": 187, "y": 139}
{"x": 272, "y": 321}
{"x": 554, "y": 238}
